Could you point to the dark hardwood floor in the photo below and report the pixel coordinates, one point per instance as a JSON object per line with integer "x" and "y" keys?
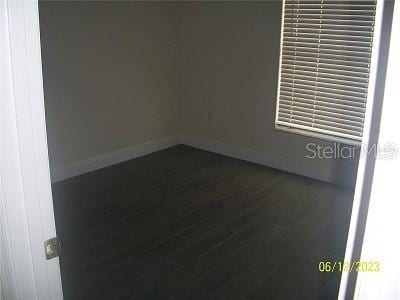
{"x": 189, "y": 224}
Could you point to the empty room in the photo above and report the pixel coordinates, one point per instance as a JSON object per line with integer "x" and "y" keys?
{"x": 210, "y": 149}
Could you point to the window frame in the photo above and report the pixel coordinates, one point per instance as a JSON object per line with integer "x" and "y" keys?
{"x": 319, "y": 133}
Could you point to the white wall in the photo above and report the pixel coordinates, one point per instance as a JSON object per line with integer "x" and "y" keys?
{"x": 229, "y": 76}
{"x": 109, "y": 76}
{"x": 118, "y": 74}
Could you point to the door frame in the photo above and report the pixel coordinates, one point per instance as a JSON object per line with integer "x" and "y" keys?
{"x": 381, "y": 243}
{"x": 26, "y": 205}
{"x": 366, "y": 167}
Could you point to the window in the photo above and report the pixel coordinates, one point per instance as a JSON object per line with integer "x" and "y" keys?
{"x": 324, "y": 67}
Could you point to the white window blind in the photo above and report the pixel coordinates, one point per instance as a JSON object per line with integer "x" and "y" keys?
{"x": 324, "y": 67}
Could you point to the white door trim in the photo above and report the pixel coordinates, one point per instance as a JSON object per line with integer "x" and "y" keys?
{"x": 27, "y": 218}
{"x": 381, "y": 243}
{"x": 355, "y": 237}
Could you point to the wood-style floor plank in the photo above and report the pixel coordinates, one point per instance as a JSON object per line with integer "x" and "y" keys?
{"x": 183, "y": 223}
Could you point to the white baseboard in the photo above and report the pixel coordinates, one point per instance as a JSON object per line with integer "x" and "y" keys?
{"x": 108, "y": 159}
{"x": 262, "y": 158}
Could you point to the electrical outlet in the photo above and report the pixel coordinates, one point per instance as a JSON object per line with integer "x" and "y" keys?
{"x": 210, "y": 115}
